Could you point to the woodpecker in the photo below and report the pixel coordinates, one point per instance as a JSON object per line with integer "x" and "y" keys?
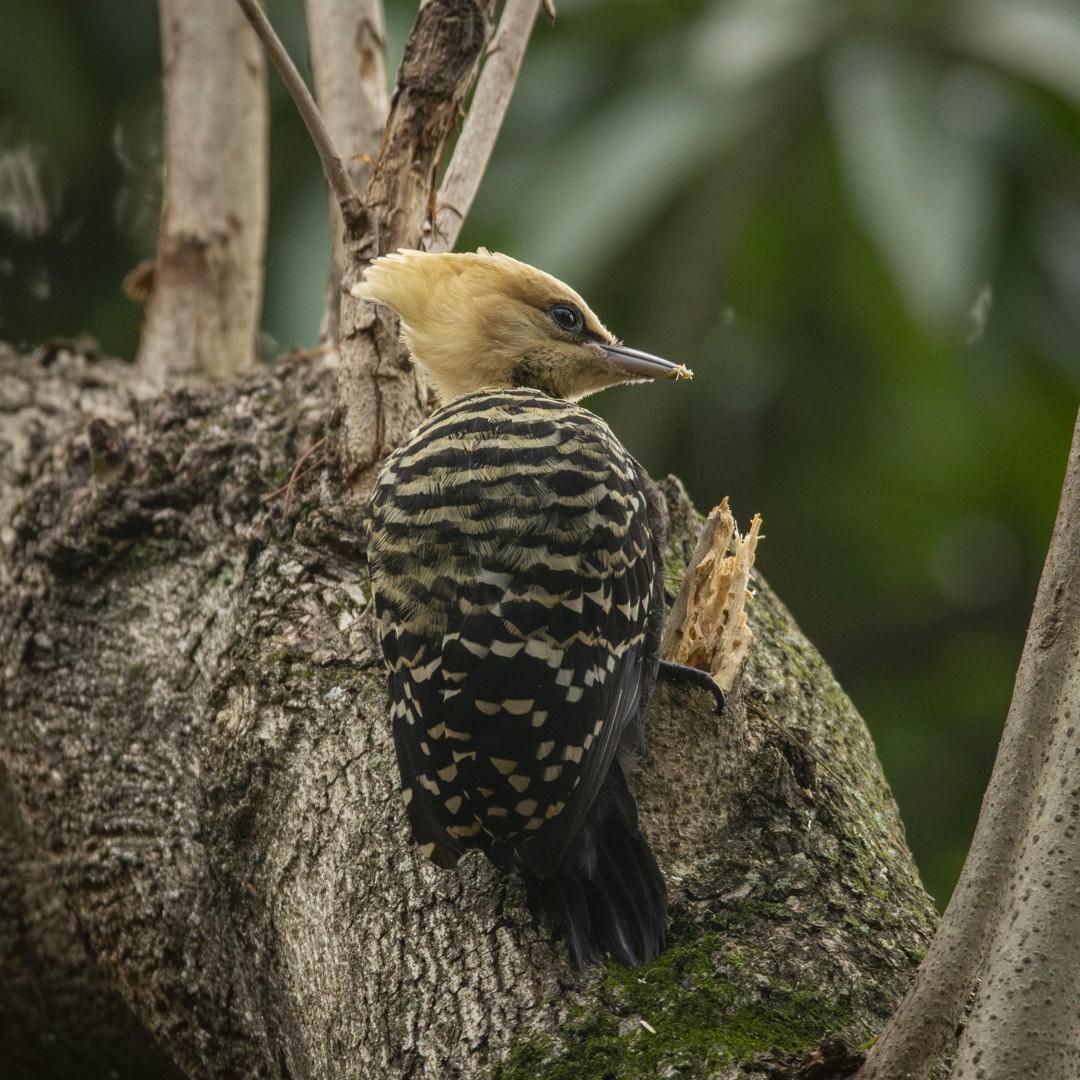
{"x": 516, "y": 557}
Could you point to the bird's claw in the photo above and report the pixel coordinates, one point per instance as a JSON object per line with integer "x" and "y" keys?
{"x": 684, "y": 675}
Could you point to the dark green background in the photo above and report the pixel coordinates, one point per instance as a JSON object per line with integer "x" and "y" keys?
{"x": 859, "y": 223}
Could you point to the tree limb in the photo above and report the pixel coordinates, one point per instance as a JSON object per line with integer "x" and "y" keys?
{"x": 925, "y": 1024}
{"x": 494, "y": 89}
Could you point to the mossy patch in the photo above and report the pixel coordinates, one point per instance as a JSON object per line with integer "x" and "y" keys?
{"x": 693, "y": 1011}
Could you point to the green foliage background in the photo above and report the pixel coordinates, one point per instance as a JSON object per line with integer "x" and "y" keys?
{"x": 858, "y": 222}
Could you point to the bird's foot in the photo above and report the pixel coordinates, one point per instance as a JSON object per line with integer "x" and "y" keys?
{"x": 684, "y": 675}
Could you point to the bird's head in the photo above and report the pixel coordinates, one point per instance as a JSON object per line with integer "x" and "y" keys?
{"x": 477, "y": 320}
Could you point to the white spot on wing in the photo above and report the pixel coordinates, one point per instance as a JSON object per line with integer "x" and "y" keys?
{"x": 518, "y": 706}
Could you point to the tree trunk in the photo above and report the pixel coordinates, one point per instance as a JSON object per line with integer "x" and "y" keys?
{"x": 196, "y": 742}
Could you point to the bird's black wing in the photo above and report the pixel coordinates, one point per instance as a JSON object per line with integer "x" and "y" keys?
{"x": 514, "y": 562}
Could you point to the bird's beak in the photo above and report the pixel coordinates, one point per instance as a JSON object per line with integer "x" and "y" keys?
{"x": 644, "y": 365}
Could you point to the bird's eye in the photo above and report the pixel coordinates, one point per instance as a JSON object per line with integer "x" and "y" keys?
{"x": 567, "y": 317}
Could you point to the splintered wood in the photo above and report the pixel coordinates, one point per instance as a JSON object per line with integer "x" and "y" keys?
{"x": 706, "y": 627}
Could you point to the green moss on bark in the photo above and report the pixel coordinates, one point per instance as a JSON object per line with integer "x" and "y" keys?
{"x": 694, "y": 1010}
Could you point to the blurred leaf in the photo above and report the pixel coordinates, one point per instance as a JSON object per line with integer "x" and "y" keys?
{"x": 926, "y": 196}
{"x": 1037, "y": 38}
{"x": 743, "y": 44}
{"x": 619, "y": 167}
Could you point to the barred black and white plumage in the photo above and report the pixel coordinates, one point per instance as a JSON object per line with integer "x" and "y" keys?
{"x": 516, "y": 555}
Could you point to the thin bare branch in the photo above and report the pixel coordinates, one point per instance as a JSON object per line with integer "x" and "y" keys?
{"x": 925, "y": 1024}
{"x": 347, "y": 40}
{"x": 336, "y": 176}
{"x": 493, "y": 91}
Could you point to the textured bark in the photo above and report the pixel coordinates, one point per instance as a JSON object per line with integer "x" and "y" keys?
{"x": 379, "y": 394}
{"x": 206, "y": 296}
{"x": 1025, "y": 1020}
{"x": 196, "y": 739}
{"x": 348, "y": 61}
{"x": 61, "y": 1012}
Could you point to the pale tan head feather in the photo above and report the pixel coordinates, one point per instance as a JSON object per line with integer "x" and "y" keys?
{"x": 469, "y": 319}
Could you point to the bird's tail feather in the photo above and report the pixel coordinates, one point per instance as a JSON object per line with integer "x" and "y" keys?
{"x": 607, "y": 895}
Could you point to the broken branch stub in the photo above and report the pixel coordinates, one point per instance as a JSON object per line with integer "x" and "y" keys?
{"x": 707, "y": 627}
